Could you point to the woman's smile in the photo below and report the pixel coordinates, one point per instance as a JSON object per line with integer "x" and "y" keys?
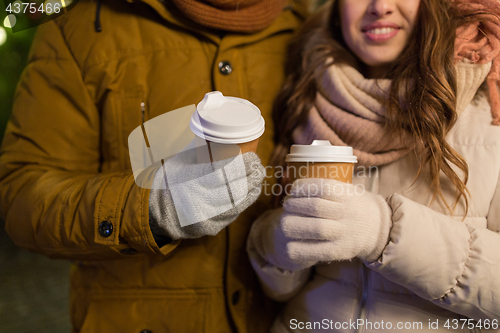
{"x": 377, "y": 31}
{"x": 380, "y": 31}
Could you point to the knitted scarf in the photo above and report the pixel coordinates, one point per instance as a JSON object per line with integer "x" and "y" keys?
{"x": 245, "y": 16}
{"x": 349, "y": 112}
{"x": 478, "y": 41}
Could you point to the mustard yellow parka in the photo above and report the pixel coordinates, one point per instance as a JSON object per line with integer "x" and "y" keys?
{"x": 65, "y": 168}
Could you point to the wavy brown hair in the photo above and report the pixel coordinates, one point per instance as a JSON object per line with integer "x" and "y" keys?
{"x": 425, "y": 109}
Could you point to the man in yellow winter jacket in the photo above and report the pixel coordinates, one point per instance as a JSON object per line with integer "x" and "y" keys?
{"x": 66, "y": 184}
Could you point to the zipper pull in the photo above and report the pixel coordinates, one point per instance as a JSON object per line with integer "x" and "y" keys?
{"x": 143, "y": 112}
{"x": 146, "y": 140}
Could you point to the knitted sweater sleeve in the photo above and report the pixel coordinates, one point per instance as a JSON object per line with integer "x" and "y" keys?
{"x": 444, "y": 261}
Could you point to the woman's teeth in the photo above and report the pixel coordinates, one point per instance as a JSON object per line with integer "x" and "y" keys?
{"x": 381, "y": 31}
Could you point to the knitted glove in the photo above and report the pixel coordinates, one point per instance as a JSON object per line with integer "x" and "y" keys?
{"x": 323, "y": 220}
{"x": 340, "y": 221}
{"x": 191, "y": 200}
{"x": 269, "y": 237}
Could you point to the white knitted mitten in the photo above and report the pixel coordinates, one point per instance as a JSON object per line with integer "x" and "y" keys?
{"x": 340, "y": 221}
{"x": 322, "y": 220}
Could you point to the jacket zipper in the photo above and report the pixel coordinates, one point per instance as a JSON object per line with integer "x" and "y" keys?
{"x": 364, "y": 297}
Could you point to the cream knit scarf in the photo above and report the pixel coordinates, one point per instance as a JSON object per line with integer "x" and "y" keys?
{"x": 349, "y": 112}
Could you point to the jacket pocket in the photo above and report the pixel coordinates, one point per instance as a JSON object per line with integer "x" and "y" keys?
{"x": 121, "y": 114}
{"x": 154, "y": 310}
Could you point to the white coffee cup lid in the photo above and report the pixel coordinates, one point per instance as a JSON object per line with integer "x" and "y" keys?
{"x": 321, "y": 151}
{"x": 224, "y": 119}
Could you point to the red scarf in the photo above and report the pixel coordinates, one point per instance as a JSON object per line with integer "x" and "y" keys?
{"x": 479, "y": 41}
{"x": 245, "y": 16}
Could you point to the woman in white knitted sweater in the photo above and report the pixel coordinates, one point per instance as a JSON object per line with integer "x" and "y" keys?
{"x": 401, "y": 81}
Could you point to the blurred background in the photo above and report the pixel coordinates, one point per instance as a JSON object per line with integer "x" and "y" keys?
{"x": 34, "y": 293}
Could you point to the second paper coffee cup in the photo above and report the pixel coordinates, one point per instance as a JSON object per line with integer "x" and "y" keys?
{"x": 225, "y": 127}
{"x": 321, "y": 160}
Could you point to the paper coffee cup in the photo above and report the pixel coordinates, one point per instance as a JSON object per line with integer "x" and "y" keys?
{"x": 321, "y": 160}
{"x": 225, "y": 127}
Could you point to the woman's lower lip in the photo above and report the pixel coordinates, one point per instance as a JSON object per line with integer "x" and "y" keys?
{"x": 381, "y": 37}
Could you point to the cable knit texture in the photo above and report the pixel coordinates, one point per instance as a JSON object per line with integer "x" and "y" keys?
{"x": 469, "y": 78}
{"x": 245, "y": 16}
{"x": 479, "y": 42}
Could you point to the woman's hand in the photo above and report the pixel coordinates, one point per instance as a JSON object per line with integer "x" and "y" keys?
{"x": 328, "y": 220}
{"x": 323, "y": 220}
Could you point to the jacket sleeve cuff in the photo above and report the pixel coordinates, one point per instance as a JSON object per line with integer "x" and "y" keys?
{"x": 445, "y": 261}
{"x": 122, "y": 216}
{"x": 477, "y": 290}
{"x": 427, "y": 251}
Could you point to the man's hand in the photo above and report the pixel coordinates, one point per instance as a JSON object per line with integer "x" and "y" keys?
{"x": 191, "y": 200}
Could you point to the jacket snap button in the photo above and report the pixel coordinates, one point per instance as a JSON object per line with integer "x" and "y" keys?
{"x": 236, "y": 297}
{"x": 146, "y": 331}
{"x": 225, "y": 67}
{"x": 105, "y": 228}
